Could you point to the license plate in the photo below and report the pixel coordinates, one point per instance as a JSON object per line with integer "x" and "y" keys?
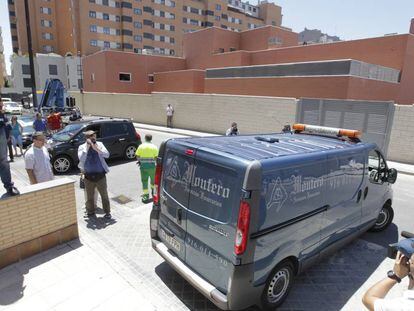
{"x": 171, "y": 241}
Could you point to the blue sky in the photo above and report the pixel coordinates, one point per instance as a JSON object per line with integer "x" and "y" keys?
{"x": 348, "y": 19}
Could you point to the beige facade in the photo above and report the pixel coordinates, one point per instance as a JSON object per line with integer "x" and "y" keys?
{"x": 3, "y": 72}
{"x": 153, "y": 26}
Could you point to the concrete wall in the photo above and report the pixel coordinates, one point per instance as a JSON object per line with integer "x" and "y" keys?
{"x": 202, "y": 112}
{"x": 402, "y": 135}
{"x": 32, "y": 222}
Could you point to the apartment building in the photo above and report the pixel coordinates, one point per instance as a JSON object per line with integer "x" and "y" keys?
{"x": 67, "y": 69}
{"x": 3, "y": 72}
{"x": 140, "y": 26}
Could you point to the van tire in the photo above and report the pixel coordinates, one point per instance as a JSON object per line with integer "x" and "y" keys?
{"x": 384, "y": 219}
{"x": 281, "y": 279}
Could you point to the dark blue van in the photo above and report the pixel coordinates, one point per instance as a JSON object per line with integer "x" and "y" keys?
{"x": 238, "y": 217}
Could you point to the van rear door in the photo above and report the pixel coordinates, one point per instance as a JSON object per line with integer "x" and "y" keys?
{"x": 211, "y": 220}
{"x": 174, "y": 196}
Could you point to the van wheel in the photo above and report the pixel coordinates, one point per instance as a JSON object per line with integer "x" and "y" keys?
{"x": 130, "y": 152}
{"x": 385, "y": 217}
{"x": 61, "y": 164}
{"x": 278, "y": 285}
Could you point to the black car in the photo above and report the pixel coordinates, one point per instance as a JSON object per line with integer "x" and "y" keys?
{"x": 118, "y": 136}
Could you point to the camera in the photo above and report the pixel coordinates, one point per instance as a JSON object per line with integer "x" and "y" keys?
{"x": 392, "y": 248}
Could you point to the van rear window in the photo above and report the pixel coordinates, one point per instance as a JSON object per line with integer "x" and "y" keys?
{"x": 212, "y": 191}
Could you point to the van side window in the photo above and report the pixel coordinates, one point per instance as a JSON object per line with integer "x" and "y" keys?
{"x": 377, "y": 167}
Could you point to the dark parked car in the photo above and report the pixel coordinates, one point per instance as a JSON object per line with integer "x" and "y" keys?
{"x": 118, "y": 136}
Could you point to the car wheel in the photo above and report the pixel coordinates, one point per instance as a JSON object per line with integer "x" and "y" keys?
{"x": 130, "y": 152}
{"x": 61, "y": 164}
{"x": 278, "y": 285}
{"x": 385, "y": 217}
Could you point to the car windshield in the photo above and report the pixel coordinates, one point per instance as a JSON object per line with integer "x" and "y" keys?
{"x": 10, "y": 104}
{"x": 68, "y": 132}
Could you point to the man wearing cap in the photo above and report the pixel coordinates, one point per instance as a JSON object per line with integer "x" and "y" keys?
{"x": 37, "y": 160}
{"x": 146, "y": 155}
{"x": 5, "y": 174}
{"x": 92, "y": 155}
{"x": 374, "y": 299}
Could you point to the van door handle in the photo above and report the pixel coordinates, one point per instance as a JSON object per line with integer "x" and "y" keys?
{"x": 179, "y": 215}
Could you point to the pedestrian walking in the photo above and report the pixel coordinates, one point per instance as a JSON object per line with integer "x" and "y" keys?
{"x": 146, "y": 155}
{"x": 170, "y": 113}
{"x": 39, "y": 125}
{"x": 5, "y": 174}
{"x": 16, "y": 135}
{"x": 37, "y": 160}
{"x": 92, "y": 155}
{"x": 233, "y": 130}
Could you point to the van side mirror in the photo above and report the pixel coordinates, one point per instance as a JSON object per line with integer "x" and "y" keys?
{"x": 392, "y": 175}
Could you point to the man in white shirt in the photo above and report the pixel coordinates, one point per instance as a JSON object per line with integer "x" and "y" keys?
{"x": 37, "y": 160}
{"x": 374, "y": 299}
{"x": 170, "y": 112}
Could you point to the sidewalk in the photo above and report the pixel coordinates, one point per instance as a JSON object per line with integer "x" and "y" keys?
{"x": 402, "y": 168}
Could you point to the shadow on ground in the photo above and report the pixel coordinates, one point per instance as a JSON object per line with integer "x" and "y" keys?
{"x": 12, "y": 277}
{"x": 388, "y": 236}
{"x": 328, "y": 285}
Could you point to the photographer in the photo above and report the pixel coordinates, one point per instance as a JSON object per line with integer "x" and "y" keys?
{"x": 233, "y": 130}
{"x": 404, "y": 266}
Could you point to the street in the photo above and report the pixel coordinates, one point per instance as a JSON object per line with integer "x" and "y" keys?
{"x": 330, "y": 285}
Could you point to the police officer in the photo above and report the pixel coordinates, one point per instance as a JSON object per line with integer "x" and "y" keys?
{"x": 146, "y": 156}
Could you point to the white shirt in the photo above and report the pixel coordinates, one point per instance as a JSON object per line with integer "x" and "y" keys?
{"x": 404, "y": 303}
{"x": 83, "y": 152}
{"x": 170, "y": 111}
{"x": 38, "y": 160}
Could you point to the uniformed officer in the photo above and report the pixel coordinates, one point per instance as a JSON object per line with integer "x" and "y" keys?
{"x": 146, "y": 156}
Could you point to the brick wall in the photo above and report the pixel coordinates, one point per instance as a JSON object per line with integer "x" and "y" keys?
{"x": 201, "y": 112}
{"x": 402, "y": 135}
{"x": 43, "y": 216}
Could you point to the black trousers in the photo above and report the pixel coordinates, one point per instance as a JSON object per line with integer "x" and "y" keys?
{"x": 10, "y": 146}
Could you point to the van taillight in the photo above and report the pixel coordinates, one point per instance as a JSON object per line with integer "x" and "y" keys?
{"x": 242, "y": 232}
{"x": 157, "y": 181}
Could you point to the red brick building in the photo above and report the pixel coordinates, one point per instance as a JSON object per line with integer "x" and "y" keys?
{"x": 265, "y": 61}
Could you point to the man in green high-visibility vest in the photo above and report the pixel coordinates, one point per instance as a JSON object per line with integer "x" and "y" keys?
{"x": 146, "y": 155}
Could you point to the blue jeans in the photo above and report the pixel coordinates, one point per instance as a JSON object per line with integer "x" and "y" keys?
{"x": 5, "y": 174}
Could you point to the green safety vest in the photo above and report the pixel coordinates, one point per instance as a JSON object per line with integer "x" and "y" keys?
{"x": 147, "y": 154}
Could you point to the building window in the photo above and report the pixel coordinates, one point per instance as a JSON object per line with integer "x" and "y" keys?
{"x": 27, "y": 82}
{"x": 138, "y": 50}
{"x": 26, "y": 69}
{"x": 138, "y": 38}
{"x": 118, "y": 32}
{"x": 127, "y": 46}
{"x": 126, "y": 32}
{"x": 107, "y": 30}
{"x": 172, "y": 52}
{"x": 254, "y": 10}
{"x": 92, "y": 14}
{"x": 15, "y": 38}
{"x": 105, "y": 16}
{"x": 224, "y": 26}
{"x": 148, "y": 35}
{"x": 151, "y": 78}
{"x": 118, "y": 18}
{"x": 147, "y": 22}
{"x": 105, "y": 2}
{"x": 127, "y": 5}
{"x": 125, "y": 18}
{"x": 194, "y": 11}
{"x": 13, "y": 26}
{"x": 92, "y": 77}
{"x": 217, "y": 18}
{"x": 124, "y": 77}
{"x": 218, "y": 7}
{"x": 47, "y": 36}
{"x": 185, "y": 20}
{"x": 107, "y": 44}
{"x": 46, "y": 10}
{"x": 53, "y": 70}
{"x": 93, "y": 28}
{"x": 172, "y": 40}
{"x": 172, "y": 28}
{"x": 48, "y": 48}
{"x": 12, "y": 13}
{"x": 137, "y": 11}
{"x": 94, "y": 43}
{"x": 80, "y": 84}
{"x": 148, "y": 9}
{"x": 184, "y": 8}
{"x": 137, "y": 24}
